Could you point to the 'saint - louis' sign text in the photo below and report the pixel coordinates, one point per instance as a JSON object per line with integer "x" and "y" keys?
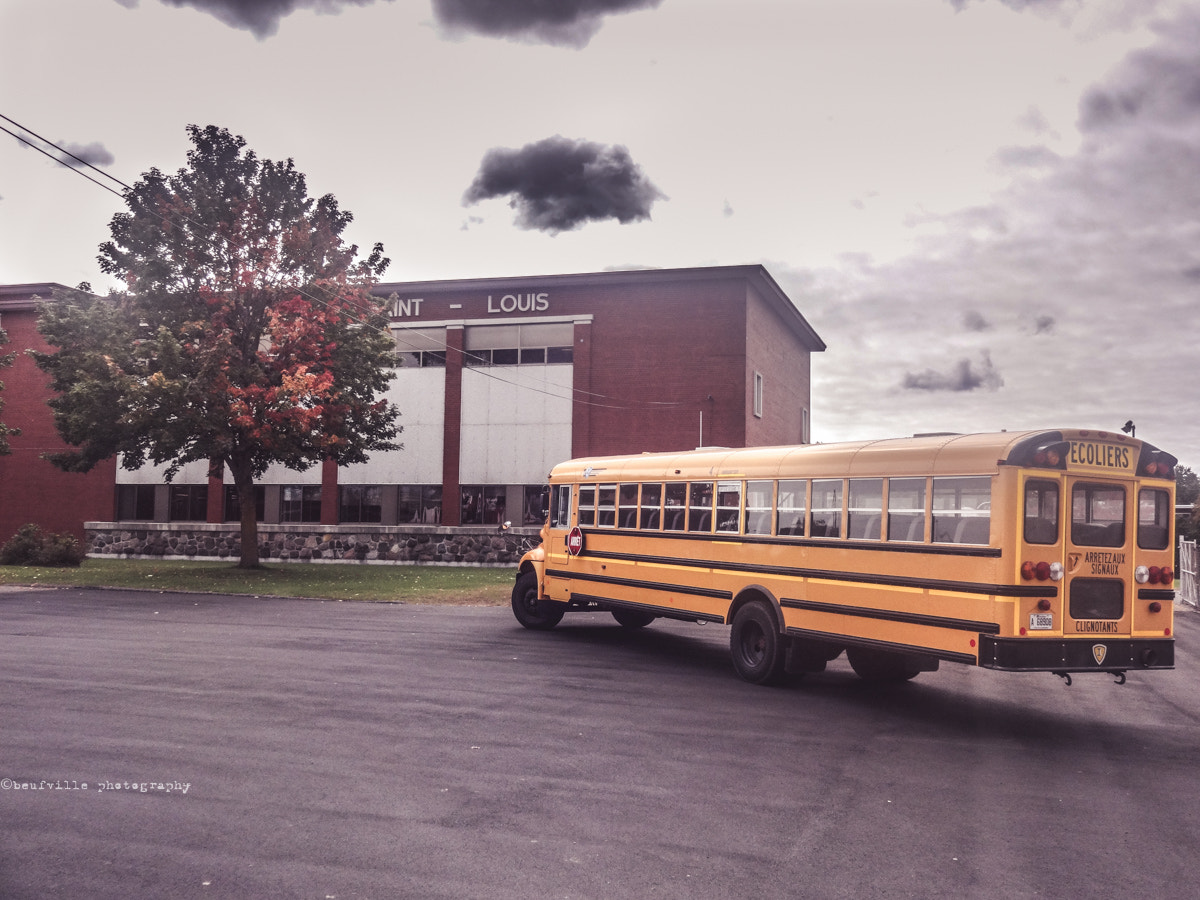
{"x": 408, "y": 307}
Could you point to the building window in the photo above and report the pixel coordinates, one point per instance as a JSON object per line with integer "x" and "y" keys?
{"x": 758, "y": 394}
{"x": 135, "y": 502}
{"x": 301, "y": 503}
{"x": 519, "y": 345}
{"x": 233, "y": 503}
{"x": 189, "y": 502}
{"x": 420, "y": 504}
{"x": 537, "y": 504}
{"x": 360, "y": 503}
{"x": 484, "y": 504}
{"x": 420, "y": 348}
{"x": 804, "y": 438}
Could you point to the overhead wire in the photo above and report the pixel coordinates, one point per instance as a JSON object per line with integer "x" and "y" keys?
{"x": 576, "y": 395}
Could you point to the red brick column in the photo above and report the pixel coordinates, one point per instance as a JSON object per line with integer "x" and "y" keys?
{"x": 215, "y": 511}
{"x": 581, "y": 407}
{"x": 452, "y": 428}
{"x": 329, "y": 492}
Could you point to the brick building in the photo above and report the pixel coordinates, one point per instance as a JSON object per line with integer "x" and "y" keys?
{"x": 499, "y": 379}
{"x": 32, "y": 490}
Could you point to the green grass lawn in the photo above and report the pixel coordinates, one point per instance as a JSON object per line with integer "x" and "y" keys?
{"x": 447, "y": 585}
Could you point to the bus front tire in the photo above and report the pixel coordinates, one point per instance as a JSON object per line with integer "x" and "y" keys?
{"x": 633, "y": 618}
{"x": 530, "y": 610}
{"x": 758, "y": 649}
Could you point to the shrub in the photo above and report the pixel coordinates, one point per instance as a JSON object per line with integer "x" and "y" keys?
{"x": 31, "y": 546}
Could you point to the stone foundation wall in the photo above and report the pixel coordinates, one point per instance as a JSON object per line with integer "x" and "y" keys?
{"x": 402, "y": 544}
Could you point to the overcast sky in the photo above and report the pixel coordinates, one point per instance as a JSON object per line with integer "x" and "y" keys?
{"x": 988, "y": 209}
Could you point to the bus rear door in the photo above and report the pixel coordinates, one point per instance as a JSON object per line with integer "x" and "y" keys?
{"x": 1098, "y": 581}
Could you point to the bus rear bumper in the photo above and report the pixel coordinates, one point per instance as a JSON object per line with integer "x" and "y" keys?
{"x": 1075, "y": 655}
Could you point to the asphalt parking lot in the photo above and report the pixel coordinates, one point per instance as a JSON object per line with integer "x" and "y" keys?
{"x": 159, "y": 745}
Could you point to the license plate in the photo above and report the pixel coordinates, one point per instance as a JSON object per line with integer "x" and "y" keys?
{"x": 1041, "y": 621}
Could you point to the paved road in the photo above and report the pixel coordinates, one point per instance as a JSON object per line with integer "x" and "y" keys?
{"x": 306, "y": 749}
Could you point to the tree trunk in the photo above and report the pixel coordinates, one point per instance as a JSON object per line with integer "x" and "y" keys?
{"x": 243, "y": 479}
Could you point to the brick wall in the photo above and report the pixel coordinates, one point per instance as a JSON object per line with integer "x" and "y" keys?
{"x": 31, "y": 489}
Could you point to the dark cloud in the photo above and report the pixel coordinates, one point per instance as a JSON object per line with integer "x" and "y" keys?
{"x": 260, "y": 17}
{"x": 1043, "y": 324}
{"x": 1192, "y": 273}
{"x": 570, "y": 23}
{"x": 93, "y": 154}
{"x": 1027, "y": 157}
{"x": 974, "y": 321}
{"x": 1156, "y": 86}
{"x": 963, "y": 376}
{"x": 558, "y": 184}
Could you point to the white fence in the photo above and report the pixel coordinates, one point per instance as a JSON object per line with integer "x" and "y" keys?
{"x": 1189, "y": 591}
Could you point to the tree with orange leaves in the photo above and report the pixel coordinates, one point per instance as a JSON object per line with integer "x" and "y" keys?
{"x": 246, "y": 336}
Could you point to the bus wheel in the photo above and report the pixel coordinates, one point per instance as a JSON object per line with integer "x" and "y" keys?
{"x": 758, "y": 649}
{"x": 633, "y": 618}
{"x": 532, "y": 612}
{"x": 881, "y": 666}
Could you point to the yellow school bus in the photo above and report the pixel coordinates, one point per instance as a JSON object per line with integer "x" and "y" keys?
{"x": 1037, "y": 551}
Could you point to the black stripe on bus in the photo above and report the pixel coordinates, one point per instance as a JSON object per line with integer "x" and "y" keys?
{"x": 961, "y": 587}
{"x": 800, "y": 541}
{"x": 645, "y": 585}
{"x": 1156, "y": 594}
{"x": 663, "y": 612}
{"x": 843, "y": 640}
{"x": 893, "y": 616}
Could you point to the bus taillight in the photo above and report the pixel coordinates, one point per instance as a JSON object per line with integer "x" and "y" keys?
{"x": 1156, "y": 463}
{"x": 1042, "y": 571}
{"x": 1052, "y": 456}
{"x": 1154, "y": 575}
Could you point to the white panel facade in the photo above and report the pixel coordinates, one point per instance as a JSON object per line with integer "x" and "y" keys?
{"x": 516, "y": 423}
{"x": 192, "y": 473}
{"x": 420, "y": 395}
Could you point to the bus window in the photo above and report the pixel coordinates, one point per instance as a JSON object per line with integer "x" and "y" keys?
{"x": 587, "y": 504}
{"x": 651, "y": 508}
{"x": 729, "y": 506}
{"x": 791, "y": 509}
{"x": 627, "y": 506}
{"x": 1041, "y": 512}
{"x": 826, "y": 509}
{"x": 962, "y": 509}
{"x": 560, "y": 507}
{"x": 1098, "y": 515}
{"x": 676, "y": 502}
{"x": 606, "y": 505}
{"x": 758, "y": 507}
{"x": 700, "y": 504}
{"x": 1154, "y": 523}
{"x": 906, "y": 509}
{"x": 864, "y": 518}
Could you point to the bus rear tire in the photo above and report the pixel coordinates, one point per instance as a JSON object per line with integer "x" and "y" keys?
{"x": 633, "y": 618}
{"x": 880, "y": 666}
{"x": 530, "y": 610}
{"x": 758, "y": 649}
